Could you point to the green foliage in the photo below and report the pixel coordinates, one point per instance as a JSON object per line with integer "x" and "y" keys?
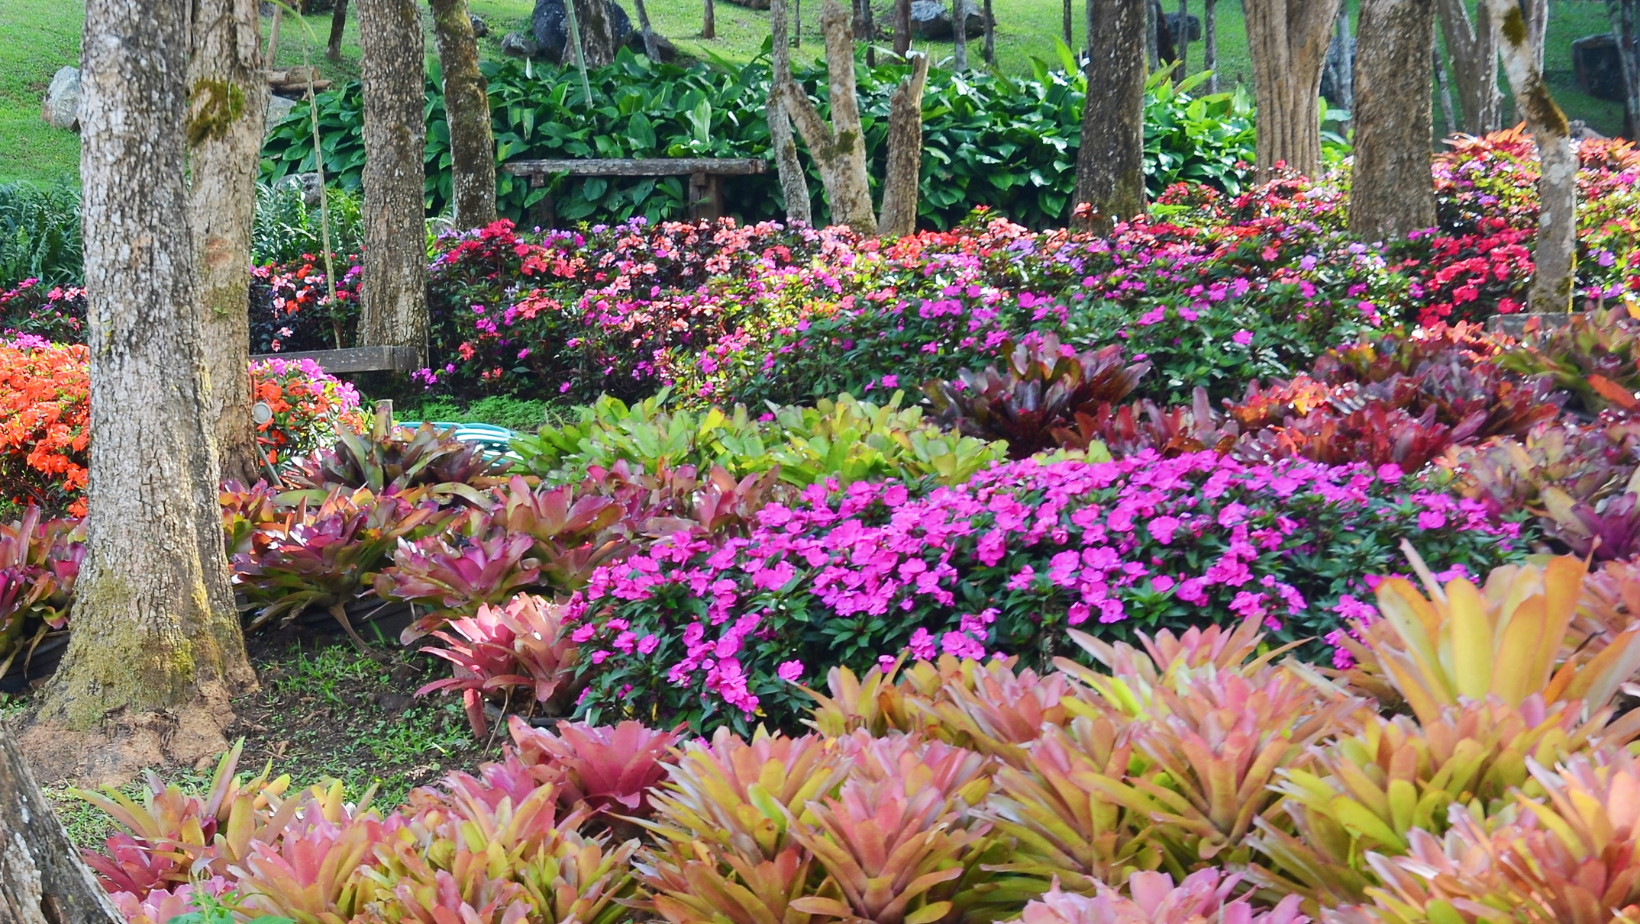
{"x": 498, "y": 410}
{"x": 39, "y": 235}
{"x": 1002, "y": 142}
{"x": 847, "y": 439}
{"x": 287, "y": 229}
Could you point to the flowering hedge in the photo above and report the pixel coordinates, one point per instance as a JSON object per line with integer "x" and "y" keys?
{"x": 306, "y": 406}
{"x": 705, "y": 630}
{"x": 45, "y": 407}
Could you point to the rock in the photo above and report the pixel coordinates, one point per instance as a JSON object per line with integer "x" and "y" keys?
{"x": 519, "y": 45}
{"x": 308, "y": 183}
{"x": 480, "y": 27}
{"x": 61, "y": 108}
{"x": 1579, "y": 130}
{"x": 1598, "y": 67}
{"x": 278, "y": 108}
{"x": 549, "y": 26}
{"x": 663, "y": 46}
{"x": 931, "y": 19}
{"x": 1195, "y": 27}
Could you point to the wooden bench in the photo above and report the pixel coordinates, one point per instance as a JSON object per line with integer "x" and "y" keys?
{"x": 355, "y": 359}
{"x": 705, "y": 176}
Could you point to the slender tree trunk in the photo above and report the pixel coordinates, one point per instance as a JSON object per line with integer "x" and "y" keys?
{"x": 338, "y": 22}
{"x": 902, "y": 28}
{"x": 154, "y": 623}
{"x": 794, "y": 183}
{"x": 1442, "y": 80}
{"x": 1473, "y": 45}
{"x": 1288, "y": 41}
{"x": 797, "y": 23}
{"x": 905, "y": 137}
{"x": 1393, "y": 190}
{"x": 1181, "y": 38}
{"x": 650, "y": 47}
{"x": 393, "y": 299}
{"x": 708, "y": 22}
{"x": 990, "y": 48}
{"x": 227, "y": 99}
{"x": 959, "y": 35}
{"x": 598, "y": 31}
{"x": 1153, "y": 52}
{"x": 1556, "y": 248}
{"x": 1624, "y": 16}
{"x": 1066, "y": 26}
{"x": 1210, "y": 45}
{"x": 1339, "y": 69}
{"x": 1110, "y": 169}
{"x": 869, "y": 26}
{"x": 838, "y": 149}
{"x": 42, "y": 878}
{"x": 467, "y": 109}
{"x": 1167, "y": 51}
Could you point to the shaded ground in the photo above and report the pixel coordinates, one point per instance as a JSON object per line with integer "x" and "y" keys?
{"x": 326, "y": 712}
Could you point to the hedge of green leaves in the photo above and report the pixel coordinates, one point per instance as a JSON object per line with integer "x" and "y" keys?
{"x": 1003, "y": 142}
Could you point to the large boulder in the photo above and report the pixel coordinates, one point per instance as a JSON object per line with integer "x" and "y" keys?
{"x": 551, "y": 28}
{"x": 519, "y": 45}
{"x": 931, "y": 19}
{"x": 1599, "y": 69}
{"x": 278, "y": 108}
{"x": 61, "y": 107}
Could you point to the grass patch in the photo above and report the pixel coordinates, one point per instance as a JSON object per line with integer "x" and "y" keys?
{"x": 524, "y": 414}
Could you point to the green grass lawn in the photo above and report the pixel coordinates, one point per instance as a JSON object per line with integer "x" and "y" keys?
{"x": 39, "y": 36}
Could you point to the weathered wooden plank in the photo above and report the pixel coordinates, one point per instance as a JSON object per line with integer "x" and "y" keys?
{"x": 655, "y": 166}
{"x": 356, "y": 359}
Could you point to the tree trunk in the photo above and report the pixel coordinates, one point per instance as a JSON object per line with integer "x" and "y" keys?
{"x": 1210, "y": 45}
{"x": 1153, "y": 53}
{"x": 905, "y": 145}
{"x": 650, "y": 48}
{"x": 1110, "y": 174}
{"x": 393, "y": 298}
{"x": 1338, "y": 70}
{"x": 1393, "y": 190}
{"x": 902, "y": 28}
{"x": 959, "y": 35}
{"x": 794, "y": 184}
{"x": 1444, "y": 81}
{"x": 1066, "y": 26}
{"x": 227, "y": 99}
{"x": 1167, "y": 51}
{"x": 598, "y": 31}
{"x": 1624, "y": 16}
{"x": 870, "y": 28}
{"x": 154, "y": 623}
{"x": 42, "y": 878}
{"x": 838, "y": 149}
{"x": 708, "y": 22}
{"x": 1556, "y": 246}
{"x": 1473, "y": 45}
{"x": 338, "y": 22}
{"x": 467, "y": 110}
{"x": 990, "y": 48}
{"x": 1288, "y": 42}
{"x": 1181, "y": 39}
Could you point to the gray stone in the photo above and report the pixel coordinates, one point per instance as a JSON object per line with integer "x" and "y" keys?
{"x": 480, "y": 27}
{"x": 1598, "y": 67}
{"x": 931, "y": 19}
{"x": 1195, "y": 26}
{"x": 61, "y": 107}
{"x": 519, "y": 45}
{"x": 551, "y": 29}
{"x": 278, "y": 108}
{"x": 308, "y": 183}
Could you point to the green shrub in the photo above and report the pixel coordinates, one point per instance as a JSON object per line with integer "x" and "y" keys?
{"x": 287, "y": 229}
{"x": 39, "y": 235}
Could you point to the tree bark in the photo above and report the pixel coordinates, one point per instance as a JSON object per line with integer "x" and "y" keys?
{"x": 1393, "y": 190}
{"x": 1210, "y": 45}
{"x": 227, "y": 99}
{"x": 393, "y": 297}
{"x": 708, "y": 22}
{"x": 1110, "y": 174}
{"x": 902, "y": 28}
{"x": 1556, "y": 246}
{"x": 794, "y": 184}
{"x": 1181, "y": 39}
{"x": 838, "y": 149}
{"x": 598, "y": 31}
{"x": 869, "y": 26}
{"x": 905, "y": 145}
{"x": 153, "y": 616}
{"x": 1288, "y": 42}
{"x": 1338, "y": 69}
{"x": 338, "y": 22}
{"x": 650, "y": 48}
{"x": 989, "y": 50}
{"x": 42, "y": 878}
{"x": 1625, "y": 16}
{"x": 959, "y": 35}
{"x": 1443, "y": 80}
{"x": 1473, "y": 45}
{"x": 1065, "y": 26}
{"x": 467, "y": 110}
{"x": 1153, "y": 52}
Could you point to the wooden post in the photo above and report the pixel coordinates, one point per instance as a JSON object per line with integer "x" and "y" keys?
{"x": 42, "y": 879}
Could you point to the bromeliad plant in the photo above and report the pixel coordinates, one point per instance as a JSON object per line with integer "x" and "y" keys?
{"x": 39, "y": 562}
{"x": 520, "y": 646}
